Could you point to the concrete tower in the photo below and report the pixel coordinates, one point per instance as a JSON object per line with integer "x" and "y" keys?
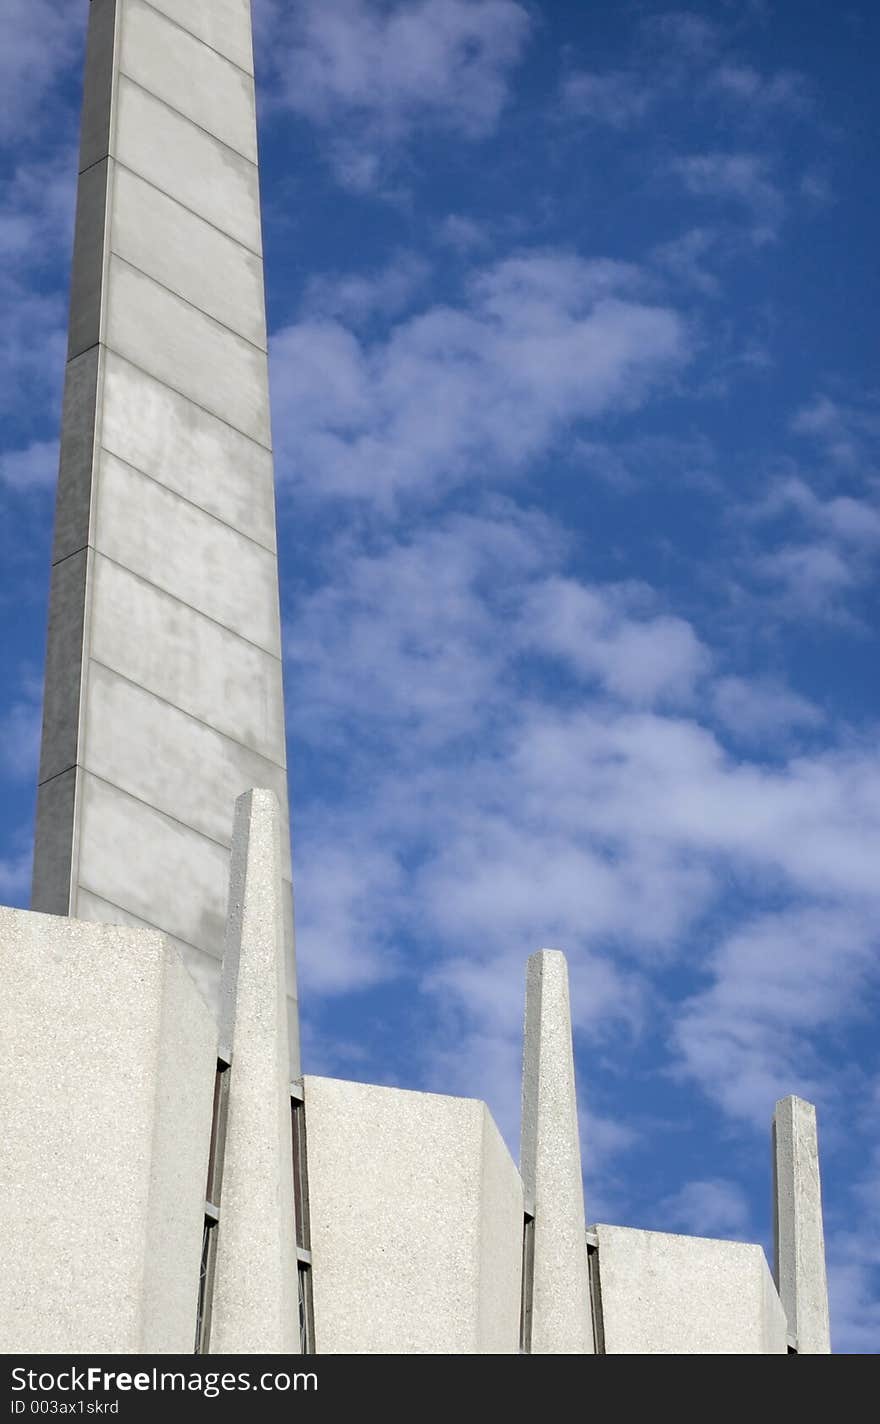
{"x": 164, "y": 697}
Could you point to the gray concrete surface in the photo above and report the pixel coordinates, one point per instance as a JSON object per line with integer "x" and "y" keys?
{"x": 799, "y": 1230}
{"x": 164, "y": 697}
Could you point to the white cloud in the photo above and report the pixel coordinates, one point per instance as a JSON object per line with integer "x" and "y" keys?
{"x": 40, "y": 40}
{"x": 641, "y": 659}
{"x": 380, "y": 72}
{"x": 741, "y": 179}
{"x": 357, "y": 298}
{"x": 20, "y": 735}
{"x": 828, "y": 542}
{"x": 619, "y": 98}
{"x": 33, "y": 468}
{"x": 506, "y": 811}
{"x": 759, "y": 709}
{"x": 462, "y": 233}
{"x": 777, "y": 980}
{"x": 785, "y": 90}
{"x": 711, "y": 1207}
{"x": 547, "y": 340}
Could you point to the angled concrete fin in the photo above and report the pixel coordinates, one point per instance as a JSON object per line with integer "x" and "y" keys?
{"x": 799, "y": 1232}
{"x": 550, "y": 1164}
{"x": 255, "y": 1306}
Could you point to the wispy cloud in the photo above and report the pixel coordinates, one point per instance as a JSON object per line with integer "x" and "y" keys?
{"x": 543, "y": 341}
{"x": 742, "y": 179}
{"x": 371, "y": 75}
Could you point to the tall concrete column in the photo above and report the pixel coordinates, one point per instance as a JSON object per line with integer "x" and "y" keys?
{"x": 799, "y": 1232}
{"x": 550, "y": 1165}
{"x": 164, "y": 696}
{"x": 256, "y": 1304}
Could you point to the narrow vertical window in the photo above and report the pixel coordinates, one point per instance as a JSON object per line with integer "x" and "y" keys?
{"x": 303, "y": 1236}
{"x": 528, "y": 1282}
{"x": 596, "y": 1298}
{"x": 212, "y": 1208}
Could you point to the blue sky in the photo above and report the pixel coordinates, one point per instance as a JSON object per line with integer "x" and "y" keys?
{"x": 574, "y": 312}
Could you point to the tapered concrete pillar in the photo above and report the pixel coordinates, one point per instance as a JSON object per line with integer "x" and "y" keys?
{"x": 255, "y": 1305}
{"x": 551, "y": 1167}
{"x": 800, "y": 1236}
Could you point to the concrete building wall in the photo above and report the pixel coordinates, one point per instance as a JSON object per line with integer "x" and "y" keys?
{"x": 416, "y": 1223}
{"x": 107, "y": 1056}
{"x": 164, "y": 697}
{"x": 686, "y": 1295}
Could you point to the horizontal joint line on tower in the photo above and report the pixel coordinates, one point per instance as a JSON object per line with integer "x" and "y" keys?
{"x": 160, "y": 381}
{"x": 217, "y": 622}
{"x": 198, "y": 38}
{"x": 192, "y": 716}
{"x": 172, "y": 291}
{"x": 187, "y": 118}
{"x": 270, "y": 549}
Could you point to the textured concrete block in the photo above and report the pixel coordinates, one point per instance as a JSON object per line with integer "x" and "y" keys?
{"x": 175, "y": 545}
{"x": 686, "y": 1295}
{"x": 188, "y": 164}
{"x": 223, "y": 24}
{"x": 190, "y": 352}
{"x": 255, "y": 1307}
{"x": 799, "y": 1230}
{"x": 170, "y": 760}
{"x": 416, "y": 1223}
{"x": 188, "y": 256}
{"x": 550, "y": 1163}
{"x": 179, "y": 654}
{"x": 162, "y": 433}
{"x": 189, "y": 76}
{"x": 107, "y": 1056}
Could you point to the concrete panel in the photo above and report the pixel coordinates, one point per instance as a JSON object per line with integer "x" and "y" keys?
{"x": 180, "y": 655}
{"x": 255, "y": 1308}
{"x": 54, "y": 836}
{"x": 550, "y": 1162}
{"x": 161, "y": 871}
{"x": 162, "y": 433}
{"x": 188, "y": 553}
{"x": 94, "y": 143}
{"x": 174, "y": 762}
{"x": 187, "y": 350}
{"x": 188, "y": 164}
{"x": 223, "y": 24}
{"x": 416, "y": 1223}
{"x": 73, "y": 503}
{"x": 87, "y": 272}
{"x": 188, "y": 256}
{"x": 686, "y": 1295}
{"x": 799, "y": 1230}
{"x": 189, "y": 76}
{"x": 64, "y": 664}
{"x": 106, "y": 1075}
